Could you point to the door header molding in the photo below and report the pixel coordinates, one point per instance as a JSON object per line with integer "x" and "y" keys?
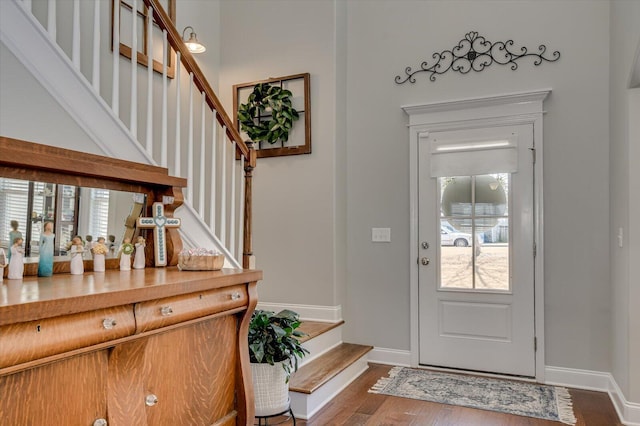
{"x": 470, "y": 109}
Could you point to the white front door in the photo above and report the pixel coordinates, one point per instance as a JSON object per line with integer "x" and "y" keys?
{"x": 476, "y": 250}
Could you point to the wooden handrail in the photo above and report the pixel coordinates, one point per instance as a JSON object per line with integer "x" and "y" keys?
{"x": 188, "y": 61}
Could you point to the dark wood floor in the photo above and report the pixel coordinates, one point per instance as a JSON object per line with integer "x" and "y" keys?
{"x": 355, "y": 406}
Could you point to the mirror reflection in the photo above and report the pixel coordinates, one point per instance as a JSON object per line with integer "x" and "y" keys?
{"x": 26, "y": 207}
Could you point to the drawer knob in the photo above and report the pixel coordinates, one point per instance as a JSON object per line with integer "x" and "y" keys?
{"x": 165, "y": 311}
{"x": 151, "y": 400}
{"x": 235, "y": 295}
{"x": 100, "y": 422}
{"x": 108, "y": 323}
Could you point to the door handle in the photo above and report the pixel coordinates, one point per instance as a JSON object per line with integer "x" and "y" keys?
{"x": 425, "y": 261}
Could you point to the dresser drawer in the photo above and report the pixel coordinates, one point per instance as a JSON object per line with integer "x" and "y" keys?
{"x": 27, "y": 341}
{"x": 172, "y": 310}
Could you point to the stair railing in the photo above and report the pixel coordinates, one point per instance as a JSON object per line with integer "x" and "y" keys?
{"x": 211, "y": 165}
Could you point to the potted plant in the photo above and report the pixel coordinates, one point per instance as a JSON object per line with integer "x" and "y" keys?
{"x": 274, "y": 350}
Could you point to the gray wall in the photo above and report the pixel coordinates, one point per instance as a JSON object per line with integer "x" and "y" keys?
{"x": 295, "y": 234}
{"x": 383, "y": 38}
{"x": 625, "y": 278}
{"x": 299, "y": 201}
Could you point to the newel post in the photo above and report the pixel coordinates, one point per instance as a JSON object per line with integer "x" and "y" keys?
{"x": 248, "y": 260}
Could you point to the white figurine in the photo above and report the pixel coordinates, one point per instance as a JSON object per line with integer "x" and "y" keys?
{"x": 99, "y": 252}
{"x": 3, "y": 263}
{"x": 16, "y": 264}
{"x": 139, "y": 259}
{"x": 77, "y": 250}
{"x": 126, "y": 249}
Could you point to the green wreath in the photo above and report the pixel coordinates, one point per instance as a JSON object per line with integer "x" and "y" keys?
{"x": 282, "y": 117}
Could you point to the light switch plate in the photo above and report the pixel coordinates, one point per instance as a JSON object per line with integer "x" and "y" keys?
{"x": 381, "y": 235}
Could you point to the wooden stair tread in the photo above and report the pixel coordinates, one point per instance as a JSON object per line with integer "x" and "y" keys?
{"x": 316, "y": 328}
{"x": 322, "y": 369}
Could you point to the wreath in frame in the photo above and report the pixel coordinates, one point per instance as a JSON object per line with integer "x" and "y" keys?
{"x": 250, "y": 114}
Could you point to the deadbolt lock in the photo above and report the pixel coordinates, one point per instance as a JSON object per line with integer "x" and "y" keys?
{"x": 425, "y": 245}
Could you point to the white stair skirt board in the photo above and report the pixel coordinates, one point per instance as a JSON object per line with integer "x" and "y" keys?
{"x": 307, "y": 312}
{"x": 629, "y": 412}
{"x": 304, "y": 405}
{"x": 321, "y": 344}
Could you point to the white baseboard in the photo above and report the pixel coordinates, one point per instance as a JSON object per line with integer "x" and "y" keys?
{"x": 390, "y": 357}
{"x": 307, "y": 312}
{"x": 579, "y": 379}
{"x": 629, "y": 412}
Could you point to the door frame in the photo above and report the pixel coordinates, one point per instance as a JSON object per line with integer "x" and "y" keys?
{"x": 494, "y": 111}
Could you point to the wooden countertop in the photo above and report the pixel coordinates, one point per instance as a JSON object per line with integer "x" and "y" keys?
{"x": 35, "y": 298}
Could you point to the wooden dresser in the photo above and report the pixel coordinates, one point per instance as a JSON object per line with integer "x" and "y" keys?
{"x": 145, "y": 347}
{"x": 123, "y": 348}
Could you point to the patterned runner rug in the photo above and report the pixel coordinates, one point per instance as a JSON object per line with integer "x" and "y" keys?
{"x": 505, "y": 396}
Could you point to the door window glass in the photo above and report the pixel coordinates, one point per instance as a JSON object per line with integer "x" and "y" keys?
{"x": 474, "y": 232}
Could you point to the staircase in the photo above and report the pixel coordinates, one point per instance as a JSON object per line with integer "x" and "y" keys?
{"x": 133, "y": 112}
{"x": 327, "y": 370}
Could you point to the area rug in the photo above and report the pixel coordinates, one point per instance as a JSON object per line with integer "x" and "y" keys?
{"x": 505, "y": 396}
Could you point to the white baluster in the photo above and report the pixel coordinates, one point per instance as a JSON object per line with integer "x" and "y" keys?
{"x": 190, "y": 144}
{"x": 75, "y": 38}
{"x": 133, "y": 121}
{"x": 202, "y": 152}
{"x": 163, "y": 147}
{"x": 149, "y": 143}
{"x": 51, "y": 19}
{"x": 95, "y": 79}
{"x": 223, "y": 187}
{"x": 176, "y": 155}
{"x": 214, "y": 170}
{"x": 232, "y": 216}
{"x": 115, "y": 92}
{"x": 241, "y": 214}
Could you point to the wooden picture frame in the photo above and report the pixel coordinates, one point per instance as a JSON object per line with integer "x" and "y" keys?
{"x": 300, "y": 135}
{"x": 125, "y": 9}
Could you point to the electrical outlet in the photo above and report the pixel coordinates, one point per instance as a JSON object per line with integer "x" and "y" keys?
{"x": 381, "y": 235}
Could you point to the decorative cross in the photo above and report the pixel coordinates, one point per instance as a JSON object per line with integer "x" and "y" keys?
{"x": 159, "y": 222}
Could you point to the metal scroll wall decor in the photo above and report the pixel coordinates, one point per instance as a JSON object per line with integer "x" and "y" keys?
{"x": 474, "y": 52}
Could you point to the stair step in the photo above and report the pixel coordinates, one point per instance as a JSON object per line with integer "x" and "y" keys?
{"x": 313, "y": 375}
{"x": 316, "y": 328}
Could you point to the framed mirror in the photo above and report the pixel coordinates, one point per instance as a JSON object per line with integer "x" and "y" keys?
{"x": 41, "y": 183}
{"x": 26, "y": 206}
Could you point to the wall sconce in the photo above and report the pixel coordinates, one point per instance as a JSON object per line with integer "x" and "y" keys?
{"x": 193, "y": 44}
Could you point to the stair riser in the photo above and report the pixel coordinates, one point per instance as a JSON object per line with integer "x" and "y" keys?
{"x": 321, "y": 344}
{"x": 306, "y": 405}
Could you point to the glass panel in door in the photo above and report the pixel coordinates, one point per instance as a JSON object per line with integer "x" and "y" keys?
{"x": 474, "y": 232}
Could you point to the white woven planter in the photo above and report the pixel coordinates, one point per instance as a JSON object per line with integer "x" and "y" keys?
{"x": 270, "y": 388}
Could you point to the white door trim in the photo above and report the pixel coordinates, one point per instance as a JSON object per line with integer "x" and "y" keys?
{"x": 508, "y": 109}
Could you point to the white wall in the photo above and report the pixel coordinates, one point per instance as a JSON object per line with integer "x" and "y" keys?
{"x": 625, "y": 280}
{"x": 298, "y": 217}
